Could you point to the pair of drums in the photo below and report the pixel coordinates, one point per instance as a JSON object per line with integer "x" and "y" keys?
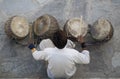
{"x": 101, "y": 30}
{"x": 18, "y": 27}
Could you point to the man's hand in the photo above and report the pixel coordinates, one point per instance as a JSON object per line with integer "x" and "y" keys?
{"x": 80, "y": 39}
{"x": 82, "y": 42}
{"x": 32, "y": 47}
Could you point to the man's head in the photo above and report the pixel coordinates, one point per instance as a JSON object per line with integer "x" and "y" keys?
{"x": 59, "y": 39}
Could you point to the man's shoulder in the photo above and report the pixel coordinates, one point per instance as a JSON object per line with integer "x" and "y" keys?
{"x": 65, "y": 49}
{"x": 71, "y": 50}
{"x": 49, "y": 48}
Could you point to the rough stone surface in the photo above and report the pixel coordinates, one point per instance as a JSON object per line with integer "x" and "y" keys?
{"x": 17, "y": 61}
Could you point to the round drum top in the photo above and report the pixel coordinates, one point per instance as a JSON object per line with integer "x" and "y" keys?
{"x": 101, "y": 29}
{"x": 45, "y": 26}
{"x": 20, "y": 26}
{"x": 77, "y": 27}
{"x": 42, "y": 25}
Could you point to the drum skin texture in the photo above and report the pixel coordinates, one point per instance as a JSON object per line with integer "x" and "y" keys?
{"x": 76, "y": 27}
{"x": 102, "y": 30}
{"x": 45, "y": 26}
{"x": 17, "y": 27}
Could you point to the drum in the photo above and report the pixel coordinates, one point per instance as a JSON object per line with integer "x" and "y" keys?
{"x": 17, "y": 27}
{"x": 101, "y": 30}
{"x": 45, "y": 26}
{"x": 76, "y": 27}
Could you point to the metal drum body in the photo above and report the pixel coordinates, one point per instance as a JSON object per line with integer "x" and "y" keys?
{"x": 102, "y": 30}
{"x": 45, "y": 26}
{"x": 17, "y": 27}
{"x": 76, "y": 27}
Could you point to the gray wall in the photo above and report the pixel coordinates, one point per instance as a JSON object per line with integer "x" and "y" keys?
{"x": 17, "y": 61}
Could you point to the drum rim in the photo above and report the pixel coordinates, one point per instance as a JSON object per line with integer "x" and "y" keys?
{"x": 107, "y": 38}
{"x": 67, "y": 24}
{"x": 8, "y": 31}
{"x": 37, "y": 21}
{"x": 27, "y": 24}
{"x": 52, "y": 22}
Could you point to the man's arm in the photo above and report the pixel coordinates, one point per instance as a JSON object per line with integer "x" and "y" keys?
{"x": 37, "y": 55}
{"x": 83, "y": 57}
{"x": 46, "y": 43}
{"x": 70, "y": 44}
{"x": 82, "y": 42}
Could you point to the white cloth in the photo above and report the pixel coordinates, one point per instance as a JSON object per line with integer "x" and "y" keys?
{"x": 61, "y": 62}
{"x": 47, "y": 43}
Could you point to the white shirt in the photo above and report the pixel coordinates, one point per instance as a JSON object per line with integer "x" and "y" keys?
{"x": 61, "y": 62}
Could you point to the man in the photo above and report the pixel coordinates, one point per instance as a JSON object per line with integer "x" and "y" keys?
{"x": 61, "y": 60}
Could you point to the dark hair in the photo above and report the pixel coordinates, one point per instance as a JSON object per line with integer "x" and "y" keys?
{"x": 59, "y": 39}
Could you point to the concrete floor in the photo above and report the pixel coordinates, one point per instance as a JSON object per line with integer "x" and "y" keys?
{"x": 16, "y": 60}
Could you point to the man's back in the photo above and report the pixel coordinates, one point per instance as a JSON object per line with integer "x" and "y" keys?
{"x": 61, "y": 62}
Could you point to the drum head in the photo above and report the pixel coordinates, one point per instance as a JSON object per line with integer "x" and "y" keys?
{"x": 76, "y": 27}
{"x": 101, "y": 30}
{"x": 45, "y": 26}
{"x": 19, "y": 26}
{"x": 41, "y": 25}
